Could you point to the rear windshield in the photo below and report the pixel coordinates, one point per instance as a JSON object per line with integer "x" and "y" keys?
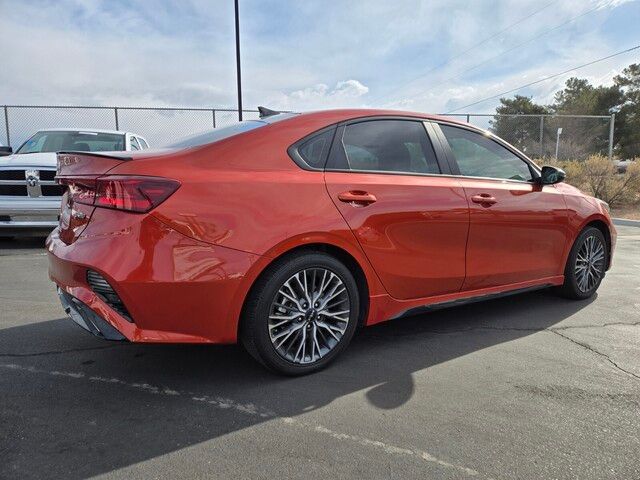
{"x": 73, "y": 141}
{"x": 226, "y": 132}
{"x": 217, "y": 134}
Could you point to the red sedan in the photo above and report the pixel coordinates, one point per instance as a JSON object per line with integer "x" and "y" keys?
{"x": 289, "y": 232}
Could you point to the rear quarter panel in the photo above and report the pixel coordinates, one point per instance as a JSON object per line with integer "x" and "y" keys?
{"x": 245, "y": 193}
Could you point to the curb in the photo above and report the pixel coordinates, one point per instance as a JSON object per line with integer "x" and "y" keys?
{"x": 626, "y": 222}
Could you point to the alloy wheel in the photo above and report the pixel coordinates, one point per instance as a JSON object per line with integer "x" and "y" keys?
{"x": 309, "y": 315}
{"x": 589, "y": 266}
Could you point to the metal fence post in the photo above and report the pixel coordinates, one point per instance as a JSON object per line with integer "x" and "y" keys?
{"x": 611, "y": 126}
{"x": 213, "y": 114}
{"x": 115, "y": 111}
{"x": 468, "y": 118}
{"x": 6, "y": 125}
{"x": 541, "y": 136}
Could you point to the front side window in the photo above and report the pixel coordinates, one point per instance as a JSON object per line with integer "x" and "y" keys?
{"x": 134, "y": 144}
{"x": 479, "y": 156}
{"x": 401, "y": 146}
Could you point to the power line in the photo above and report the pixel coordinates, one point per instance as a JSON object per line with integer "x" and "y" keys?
{"x": 515, "y": 47}
{"x": 489, "y": 38}
{"x": 482, "y": 42}
{"x": 545, "y": 79}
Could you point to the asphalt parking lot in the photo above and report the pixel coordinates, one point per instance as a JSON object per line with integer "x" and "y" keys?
{"x": 531, "y": 386}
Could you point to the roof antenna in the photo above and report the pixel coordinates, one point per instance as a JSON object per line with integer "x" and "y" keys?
{"x": 267, "y": 112}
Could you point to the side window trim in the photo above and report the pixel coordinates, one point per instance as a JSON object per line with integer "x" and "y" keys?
{"x": 454, "y": 165}
{"x": 338, "y": 144}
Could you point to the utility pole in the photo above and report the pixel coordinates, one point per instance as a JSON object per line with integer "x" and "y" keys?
{"x": 612, "y": 123}
{"x": 558, "y": 141}
{"x": 238, "y": 76}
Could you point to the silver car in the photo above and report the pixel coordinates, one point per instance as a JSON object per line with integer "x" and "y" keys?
{"x": 29, "y": 196}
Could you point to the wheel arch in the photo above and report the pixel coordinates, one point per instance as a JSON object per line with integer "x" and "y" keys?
{"x": 604, "y": 228}
{"x": 362, "y": 273}
{"x": 598, "y": 221}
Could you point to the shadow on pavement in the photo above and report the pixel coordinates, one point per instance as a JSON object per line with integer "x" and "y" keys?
{"x": 58, "y": 425}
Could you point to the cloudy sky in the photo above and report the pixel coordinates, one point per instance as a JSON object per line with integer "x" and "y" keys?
{"x": 431, "y": 56}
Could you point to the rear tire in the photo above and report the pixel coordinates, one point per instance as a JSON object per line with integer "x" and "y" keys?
{"x": 586, "y": 265}
{"x": 301, "y": 313}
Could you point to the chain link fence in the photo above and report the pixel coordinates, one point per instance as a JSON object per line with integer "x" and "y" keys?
{"x": 561, "y": 136}
{"x": 159, "y": 126}
{"x": 553, "y": 136}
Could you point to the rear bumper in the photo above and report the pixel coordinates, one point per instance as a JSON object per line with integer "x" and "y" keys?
{"x": 86, "y": 318}
{"x": 20, "y": 215}
{"x": 176, "y": 289}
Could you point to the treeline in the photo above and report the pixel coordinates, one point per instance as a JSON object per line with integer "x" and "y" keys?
{"x": 580, "y": 137}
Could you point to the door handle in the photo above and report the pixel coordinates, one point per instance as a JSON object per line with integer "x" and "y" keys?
{"x": 357, "y": 198}
{"x": 484, "y": 199}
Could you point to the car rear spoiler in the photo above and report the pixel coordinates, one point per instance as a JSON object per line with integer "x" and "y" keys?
{"x": 124, "y": 156}
{"x": 73, "y": 163}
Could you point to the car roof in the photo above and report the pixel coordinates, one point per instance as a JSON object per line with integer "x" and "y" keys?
{"x": 90, "y": 130}
{"x": 341, "y": 115}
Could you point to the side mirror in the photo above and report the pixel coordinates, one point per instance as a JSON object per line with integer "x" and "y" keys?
{"x": 551, "y": 175}
{"x": 4, "y": 151}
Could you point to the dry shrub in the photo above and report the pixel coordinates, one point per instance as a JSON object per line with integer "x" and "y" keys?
{"x": 598, "y": 176}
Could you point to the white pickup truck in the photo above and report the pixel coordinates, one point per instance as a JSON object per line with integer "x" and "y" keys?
{"x": 29, "y": 196}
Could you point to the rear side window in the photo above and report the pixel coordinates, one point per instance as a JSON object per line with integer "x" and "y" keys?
{"x": 314, "y": 151}
{"x": 479, "y": 156}
{"x": 401, "y": 146}
{"x": 134, "y": 144}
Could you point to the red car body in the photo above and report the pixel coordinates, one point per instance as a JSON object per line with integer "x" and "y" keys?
{"x": 184, "y": 269}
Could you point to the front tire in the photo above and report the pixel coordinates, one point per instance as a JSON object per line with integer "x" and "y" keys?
{"x": 301, "y": 314}
{"x": 586, "y": 265}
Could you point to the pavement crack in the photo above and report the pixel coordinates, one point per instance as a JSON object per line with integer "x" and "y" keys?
{"x": 57, "y": 352}
{"x": 593, "y": 350}
{"x": 597, "y": 325}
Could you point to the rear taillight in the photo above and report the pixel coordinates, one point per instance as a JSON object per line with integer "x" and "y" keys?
{"x": 121, "y": 192}
{"x": 134, "y": 194}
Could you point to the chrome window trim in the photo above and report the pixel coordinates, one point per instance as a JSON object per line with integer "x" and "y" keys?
{"x": 447, "y": 175}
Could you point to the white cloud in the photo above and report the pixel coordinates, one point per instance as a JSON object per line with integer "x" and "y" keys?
{"x": 345, "y": 93}
{"x": 297, "y": 56}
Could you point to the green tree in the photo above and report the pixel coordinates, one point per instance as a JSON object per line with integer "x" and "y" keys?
{"x": 629, "y": 129}
{"x": 520, "y": 131}
{"x": 586, "y": 136}
{"x": 581, "y": 137}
